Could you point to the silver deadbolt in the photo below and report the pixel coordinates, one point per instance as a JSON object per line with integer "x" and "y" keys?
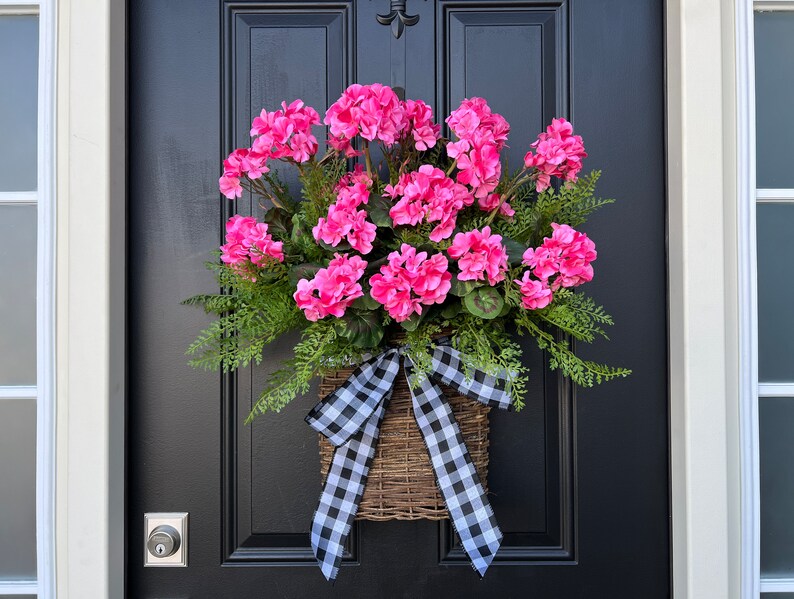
{"x": 165, "y": 536}
{"x": 163, "y": 541}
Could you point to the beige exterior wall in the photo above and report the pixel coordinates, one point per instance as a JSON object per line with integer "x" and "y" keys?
{"x": 703, "y": 307}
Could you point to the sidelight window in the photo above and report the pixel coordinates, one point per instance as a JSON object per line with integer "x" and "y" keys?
{"x": 766, "y": 179}
{"x": 26, "y": 299}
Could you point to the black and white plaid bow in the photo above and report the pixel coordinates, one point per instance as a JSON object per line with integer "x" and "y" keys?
{"x": 351, "y": 417}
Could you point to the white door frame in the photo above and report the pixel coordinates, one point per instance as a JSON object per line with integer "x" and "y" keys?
{"x": 704, "y": 286}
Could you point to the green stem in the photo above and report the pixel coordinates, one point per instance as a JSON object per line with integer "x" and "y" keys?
{"x": 452, "y": 168}
{"x": 368, "y": 158}
{"x": 506, "y": 196}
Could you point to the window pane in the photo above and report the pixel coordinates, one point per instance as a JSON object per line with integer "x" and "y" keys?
{"x": 19, "y": 55}
{"x": 774, "y": 85}
{"x": 18, "y": 295}
{"x": 775, "y": 292}
{"x": 776, "y": 421}
{"x": 777, "y": 595}
{"x": 18, "y": 488}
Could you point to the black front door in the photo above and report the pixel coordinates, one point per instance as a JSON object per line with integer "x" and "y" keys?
{"x": 578, "y": 480}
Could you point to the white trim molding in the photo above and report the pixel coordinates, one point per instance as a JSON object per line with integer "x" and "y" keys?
{"x": 21, "y": 587}
{"x": 18, "y": 393}
{"x": 748, "y": 303}
{"x": 90, "y": 299}
{"x": 763, "y": 196}
{"x": 703, "y": 288}
{"x": 775, "y": 390}
{"x": 45, "y": 300}
{"x": 21, "y": 198}
{"x": 777, "y": 585}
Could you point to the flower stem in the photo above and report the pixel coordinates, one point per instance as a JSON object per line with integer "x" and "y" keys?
{"x": 452, "y": 168}
{"x": 368, "y": 158}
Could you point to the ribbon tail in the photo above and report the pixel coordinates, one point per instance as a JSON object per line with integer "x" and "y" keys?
{"x": 463, "y": 493}
{"x": 342, "y": 493}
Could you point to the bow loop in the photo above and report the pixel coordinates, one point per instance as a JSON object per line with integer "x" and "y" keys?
{"x": 343, "y": 412}
{"x": 449, "y": 369}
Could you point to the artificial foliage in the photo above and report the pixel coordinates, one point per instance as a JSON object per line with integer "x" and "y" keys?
{"x": 424, "y": 237}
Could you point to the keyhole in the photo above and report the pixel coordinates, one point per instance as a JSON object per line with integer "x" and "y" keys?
{"x": 160, "y": 548}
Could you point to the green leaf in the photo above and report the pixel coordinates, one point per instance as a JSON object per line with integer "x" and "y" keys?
{"x": 279, "y": 222}
{"x": 485, "y": 302}
{"x": 366, "y": 302}
{"x": 515, "y": 251}
{"x": 302, "y": 271}
{"x": 412, "y": 323}
{"x": 378, "y": 210}
{"x": 463, "y": 288}
{"x": 451, "y": 310}
{"x": 362, "y": 329}
{"x": 342, "y": 246}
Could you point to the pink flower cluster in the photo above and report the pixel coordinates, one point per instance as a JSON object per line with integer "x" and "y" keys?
{"x": 358, "y": 175}
{"x": 246, "y": 240}
{"x": 479, "y": 254}
{"x": 409, "y": 281}
{"x": 286, "y": 133}
{"x": 372, "y": 111}
{"x": 332, "y": 289}
{"x": 481, "y": 136}
{"x": 377, "y": 114}
{"x": 420, "y": 125}
{"x": 240, "y": 162}
{"x": 282, "y": 134}
{"x": 428, "y": 194}
{"x": 567, "y": 256}
{"x": 346, "y": 221}
{"x": 534, "y": 294}
{"x": 559, "y": 153}
{"x": 491, "y": 201}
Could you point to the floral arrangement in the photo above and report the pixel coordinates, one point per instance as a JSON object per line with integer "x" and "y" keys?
{"x": 427, "y": 236}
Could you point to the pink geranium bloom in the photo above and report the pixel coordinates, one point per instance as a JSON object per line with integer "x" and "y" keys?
{"x": 359, "y": 175}
{"x": 479, "y": 255}
{"x": 480, "y": 168}
{"x": 427, "y": 194}
{"x": 481, "y": 136}
{"x": 332, "y": 289}
{"x": 410, "y": 280}
{"x": 420, "y": 125}
{"x": 559, "y": 153}
{"x": 345, "y": 221}
{"x": 534, "y": 294}
{"x": 286, "y": 133}
{"x": 474, "y": 118}
{"x": 230, "y": 186}
{"x": 362, "y": 233}
{"x": 567, "y": 256}
{"x": 261, "y": 246}
{"x": 372, "y": 111}
{"x": 241, "y": 162}
{"x": 491, "y": 201}
{"x": 248, "y": 240}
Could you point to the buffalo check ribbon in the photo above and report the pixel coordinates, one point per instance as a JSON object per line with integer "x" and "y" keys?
{"x": 350, "y": 417}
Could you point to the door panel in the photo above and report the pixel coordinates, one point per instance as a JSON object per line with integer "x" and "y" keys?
{"x": 578, "y": 479}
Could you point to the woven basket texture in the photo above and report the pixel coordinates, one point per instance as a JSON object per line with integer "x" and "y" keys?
{"x": 401, "y": 484}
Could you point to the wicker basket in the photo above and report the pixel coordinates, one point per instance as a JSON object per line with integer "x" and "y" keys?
{"x": 401, "y": 484}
